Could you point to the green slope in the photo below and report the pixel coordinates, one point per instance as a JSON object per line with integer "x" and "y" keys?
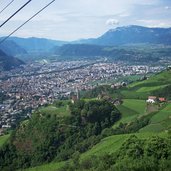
{"x": 3, "y": 139}
{"x": 130, "y": 110}
{"x": 107, "y": 145}
{"x": 159, "y": 79}
{"x": 54, "y": 166}
{"x": 113, "y": 143}
{"x": 161, "y": 121}
{"x": 152, "y": 86}
{"x": 61, "y": 110}
{"x": 134, "y": 106}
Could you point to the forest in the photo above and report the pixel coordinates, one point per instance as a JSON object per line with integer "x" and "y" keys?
{"x": 47, "y": 137}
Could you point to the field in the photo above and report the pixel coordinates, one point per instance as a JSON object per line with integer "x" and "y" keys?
{"x": 161, "y": 121}
{"x": 162, "y": 78}
{"x": 137, "y": 105}
{"x": 131, "y": 109}
{"x": 148, "y": 89}
{"x": 61, "y": 111}
{"x": 143, "y": 89}
{"x": 3, "y": 139}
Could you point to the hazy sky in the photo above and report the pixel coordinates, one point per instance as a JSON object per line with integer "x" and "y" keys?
{"x": 76, "y": 19}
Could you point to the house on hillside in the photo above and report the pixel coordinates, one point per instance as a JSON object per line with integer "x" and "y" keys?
{"x": 162, "y": 99}
{"x": 152, "y": 99}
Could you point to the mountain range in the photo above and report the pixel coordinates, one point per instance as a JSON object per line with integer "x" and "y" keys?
{"x": 132, "y": 35}
{"x": 11, "y": 48}
{"x": 109, "y": 44}
{"x": 34, "y": 44}
{"x": 123, "y": 43}
{"x": 8, "y": 62}
{"x": 114, "y": 37}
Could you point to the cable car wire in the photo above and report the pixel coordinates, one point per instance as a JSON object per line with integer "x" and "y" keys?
{"x": 15, "y": 13}
{"x": 7, "y": 6}
{"x": 26, "y": 21}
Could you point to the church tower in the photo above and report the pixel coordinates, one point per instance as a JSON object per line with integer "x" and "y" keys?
{"x": 78, "y": 94}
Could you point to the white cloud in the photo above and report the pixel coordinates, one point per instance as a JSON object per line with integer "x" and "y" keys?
{"x": 70, "y": 20}
{"x": 167, "y": 7}
{"x": 155, "y": 23}
{"x": 112, "y": 22}
{"x": 124, "y": 15}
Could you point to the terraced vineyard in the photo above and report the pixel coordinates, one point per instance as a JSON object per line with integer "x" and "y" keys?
{"x": 113, "y": 143}
{"x": 129, "y": 111}
{"x": 152, "y": 86}
{"x": 108, "y": 145}
{"x": 161, "y": 121}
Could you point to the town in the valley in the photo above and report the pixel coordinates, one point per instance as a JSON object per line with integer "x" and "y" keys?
{"x": 24, "y": 89}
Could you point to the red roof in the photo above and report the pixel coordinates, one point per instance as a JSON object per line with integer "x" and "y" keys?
{"x": 162, "y": 99}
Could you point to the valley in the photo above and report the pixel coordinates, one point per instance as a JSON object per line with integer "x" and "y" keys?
{"x": 134, "y": 123}
{"x": 41, "y": 83}
{"x": 91, "y": 104}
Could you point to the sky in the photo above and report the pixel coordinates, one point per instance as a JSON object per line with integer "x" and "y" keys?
{"x": 77, "y": 19}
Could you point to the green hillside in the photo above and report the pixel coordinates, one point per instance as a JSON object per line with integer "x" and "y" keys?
{"x": 48, "y": 135}
{"x": 107, "y": 145}
{"x": 60, "y": 109}
{"x": 161, "y": 121}
{"x": 159, "y": 79}
{"x": 129, "y": 112}
{"x": 131, "y": 103}
{"x": 156, "y": 85}
{"x": 54, "y": 166}
{"x": 159, "y": 85}
{"x": 111, "y": 144}
{"x": 3, "y": 139}
{"x": 94, "y": 134}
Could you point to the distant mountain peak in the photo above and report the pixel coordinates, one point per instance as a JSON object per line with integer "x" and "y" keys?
{"x": 133, "y": 34}
{"x": 129, "y": 27}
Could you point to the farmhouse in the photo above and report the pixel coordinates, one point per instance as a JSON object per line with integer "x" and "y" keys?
{"x": 154, "y": 99}
{"x": 151, "y": 99}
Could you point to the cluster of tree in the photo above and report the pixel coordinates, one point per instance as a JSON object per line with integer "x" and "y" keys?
{"x": 133, "y": 53}
{"x": 126, "y": 128}
{"x": 103, "y": 89}
{"x": 164, "y": 92}
{"x": 46, "y": 137}
{"x": 121, "y": 93}
{"x": 135, "y": 154}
